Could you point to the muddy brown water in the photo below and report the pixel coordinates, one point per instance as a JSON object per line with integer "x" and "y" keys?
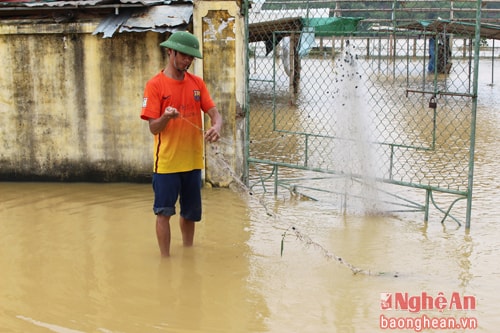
{"x": 83, "y": 257}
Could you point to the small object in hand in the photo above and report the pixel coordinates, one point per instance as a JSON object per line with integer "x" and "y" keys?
{"x": 171, "y": 112}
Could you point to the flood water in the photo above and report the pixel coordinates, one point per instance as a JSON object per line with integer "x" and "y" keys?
{"x": 83, "y": 257}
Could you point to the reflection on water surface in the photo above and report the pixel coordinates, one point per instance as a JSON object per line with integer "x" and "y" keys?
{"x": 83, "y": 258}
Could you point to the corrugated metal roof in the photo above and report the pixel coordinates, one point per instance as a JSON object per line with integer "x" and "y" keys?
{"x": 152, "y": 2}
{"x": 156, "y": 18}
{"x": 489, "y": 31}
{"x": 112, "y": 23}
{"x": 80, "y": 3}
{"x": 160, "y": 16}
{"x": 123, "y": 15}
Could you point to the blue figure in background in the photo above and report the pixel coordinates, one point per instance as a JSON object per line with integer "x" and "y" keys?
{"x": 439, "y": 57}
{"x": 432, "y": 54}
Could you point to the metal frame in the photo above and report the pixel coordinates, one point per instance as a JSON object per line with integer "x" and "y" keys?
{"x": 266, "y": 170}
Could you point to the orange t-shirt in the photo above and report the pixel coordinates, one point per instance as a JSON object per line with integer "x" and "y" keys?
{"x": 179, "y": 147}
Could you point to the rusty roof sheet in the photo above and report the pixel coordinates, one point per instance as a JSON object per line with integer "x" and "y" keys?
{"x": 124, "y": 15}
{"x": 28, "y": 3}
{"x": 155, "y": 18}
{"x": 160, "y": 16}
{"x": 80, "y": 3}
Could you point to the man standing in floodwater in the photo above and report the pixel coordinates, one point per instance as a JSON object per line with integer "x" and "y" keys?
{"x": 173, "y": 104}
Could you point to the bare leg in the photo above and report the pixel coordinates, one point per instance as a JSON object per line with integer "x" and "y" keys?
{"x": 163, "y": 234}
{"x": 187, "y": 229}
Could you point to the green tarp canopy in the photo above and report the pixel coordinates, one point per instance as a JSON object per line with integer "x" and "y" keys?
{"x": 331, "y": 26}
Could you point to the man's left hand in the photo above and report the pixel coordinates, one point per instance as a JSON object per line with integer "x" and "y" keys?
{"x": 212, "y": 135}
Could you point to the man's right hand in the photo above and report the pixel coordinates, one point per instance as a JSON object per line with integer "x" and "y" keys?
{"x": 157, "y": 125}
{"x": 170, "y": 112}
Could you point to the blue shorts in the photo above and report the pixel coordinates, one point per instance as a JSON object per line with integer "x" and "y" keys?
{"x": 185, "y": 186}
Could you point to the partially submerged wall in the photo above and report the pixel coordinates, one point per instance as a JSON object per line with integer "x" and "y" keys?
{"x": 220, "y": 27}
{"x": 70, "y": 103}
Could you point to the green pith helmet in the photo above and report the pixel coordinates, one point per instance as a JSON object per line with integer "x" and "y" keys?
{"x": 183, "y": 42}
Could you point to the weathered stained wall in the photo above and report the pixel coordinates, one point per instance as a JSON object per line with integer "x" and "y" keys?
{"x": 70, "y": 102}
{"x": 220, "y": 27}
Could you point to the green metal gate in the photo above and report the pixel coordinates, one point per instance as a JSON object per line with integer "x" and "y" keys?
{"x": 376, "y": 116}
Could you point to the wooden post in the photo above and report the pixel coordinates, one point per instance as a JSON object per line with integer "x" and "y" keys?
{"x": 333, "y": 47}
{"x": 294, "y": 67}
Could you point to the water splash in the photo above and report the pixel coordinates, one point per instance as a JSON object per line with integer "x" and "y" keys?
{"x": 354, "y": 149}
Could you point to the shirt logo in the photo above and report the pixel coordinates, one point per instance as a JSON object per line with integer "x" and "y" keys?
{"x": 144, "y": 102}
{"x": 197, "y": 95}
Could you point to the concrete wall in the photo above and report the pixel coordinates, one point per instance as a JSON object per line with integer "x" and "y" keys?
{"x": 70, "y": 101}
{"x": 220, "y": 27}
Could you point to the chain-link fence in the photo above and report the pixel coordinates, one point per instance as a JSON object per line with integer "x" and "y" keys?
{"x": 362, "y": 111}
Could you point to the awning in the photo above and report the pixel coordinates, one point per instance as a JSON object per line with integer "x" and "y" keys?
{"x": 331, "y": 26}
{"x": 272, "y": 32}
{"x": 488, "y": 31}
